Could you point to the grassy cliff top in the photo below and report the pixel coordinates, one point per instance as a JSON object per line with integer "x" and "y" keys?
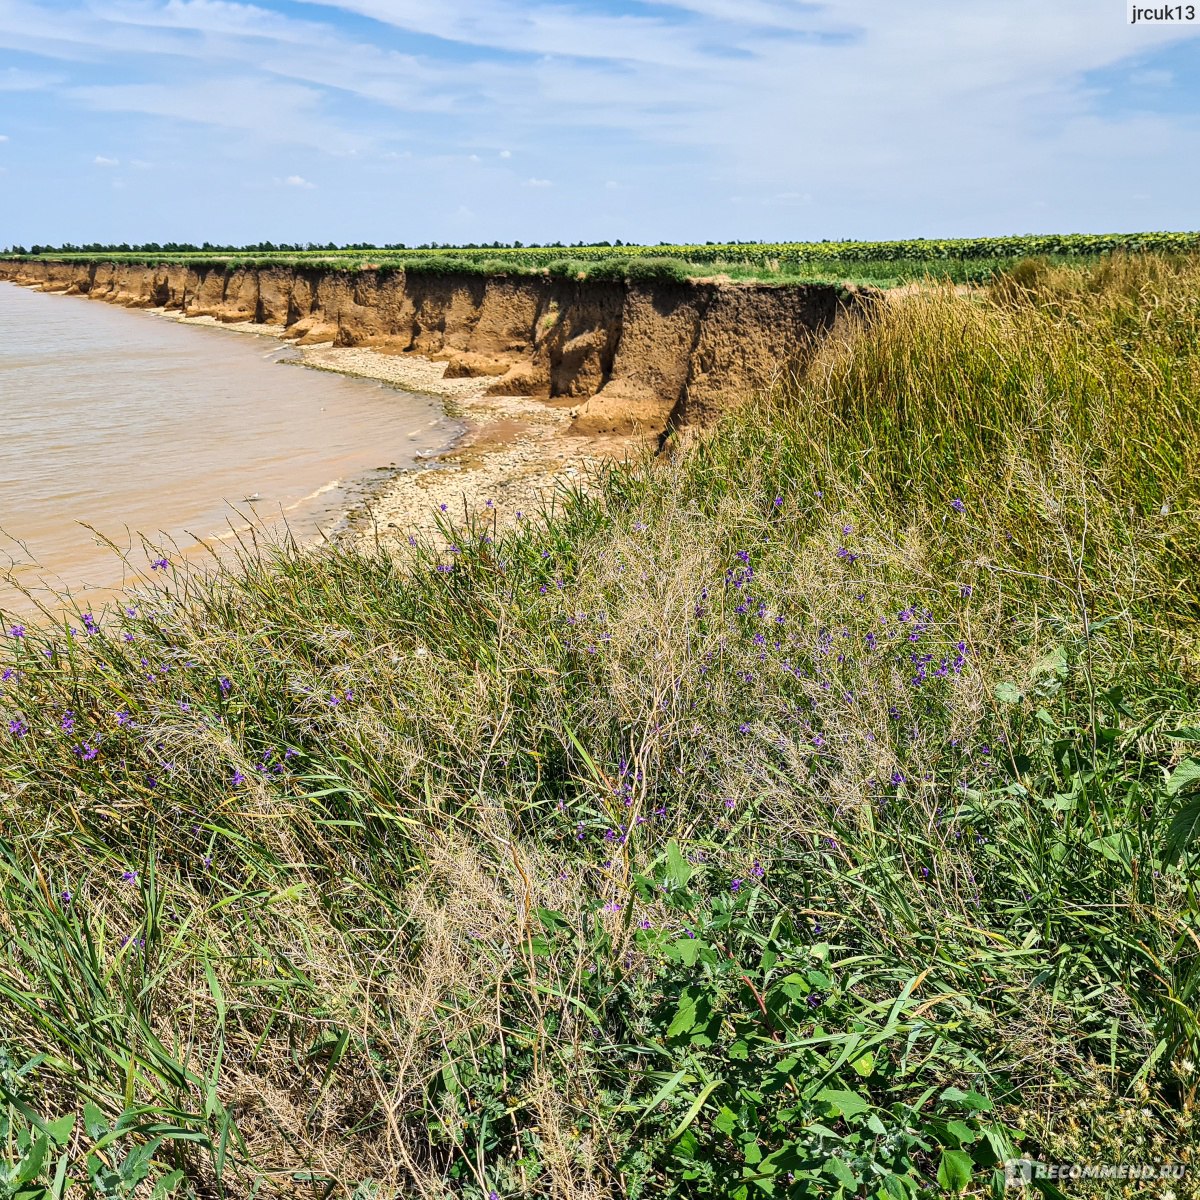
{"x": 960, "y": 260}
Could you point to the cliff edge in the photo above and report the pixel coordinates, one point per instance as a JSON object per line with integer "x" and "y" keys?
{"x": 627, "y": 356}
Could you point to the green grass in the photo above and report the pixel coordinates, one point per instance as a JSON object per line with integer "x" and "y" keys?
{"x": 880, "y": 264}
{"x": 628, "y": 850}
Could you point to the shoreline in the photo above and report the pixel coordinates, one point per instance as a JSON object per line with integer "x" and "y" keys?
{"x": 506, "y": 459}
{"x": 509, "y": 458}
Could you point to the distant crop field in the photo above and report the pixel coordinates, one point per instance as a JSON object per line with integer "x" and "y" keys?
{"x": 959, "y": 260}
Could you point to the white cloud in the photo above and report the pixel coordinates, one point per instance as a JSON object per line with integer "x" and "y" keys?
{"x": 845, "y": 117}
{"x": 13, "y": 79}
{"x": 3, "y": 137}
{"x": 103, "y": 161}
{"x": 298, "y": 181}
{"x": 271, "y": 110}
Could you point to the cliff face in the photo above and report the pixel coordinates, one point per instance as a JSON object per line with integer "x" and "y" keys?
{"x": 629, "y": 355}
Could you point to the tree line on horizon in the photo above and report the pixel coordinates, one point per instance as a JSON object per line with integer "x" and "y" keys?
{"x": 270, "y": 247}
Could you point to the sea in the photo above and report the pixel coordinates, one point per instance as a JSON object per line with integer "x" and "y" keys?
{"x": 127, "y": 437}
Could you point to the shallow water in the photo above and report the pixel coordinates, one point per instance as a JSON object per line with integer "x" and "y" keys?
{"x": 138, "y": 425}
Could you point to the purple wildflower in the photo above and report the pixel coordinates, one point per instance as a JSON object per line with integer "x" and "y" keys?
{"x": 18, "y": 727}
{"x": 17, "y": 631}
{"x": 958, "y": 505}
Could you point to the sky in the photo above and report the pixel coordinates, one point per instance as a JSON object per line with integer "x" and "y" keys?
{"x": 581, "y": 120}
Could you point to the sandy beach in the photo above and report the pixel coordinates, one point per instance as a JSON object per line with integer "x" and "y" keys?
{"x": 514, "y": 452}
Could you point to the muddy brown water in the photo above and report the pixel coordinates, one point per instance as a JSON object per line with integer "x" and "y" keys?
{"x": 137, "y": 425}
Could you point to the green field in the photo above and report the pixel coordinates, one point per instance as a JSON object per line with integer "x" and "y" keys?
{"x": 962, "y": 260}
{"x": 814, "y": 815}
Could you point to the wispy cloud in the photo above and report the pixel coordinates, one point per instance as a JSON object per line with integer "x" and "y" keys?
{"x": 102, "y": 160}
{"x": 16, "y": 79}
{"x": 845, "y": 117}
{"x": 275, "y": 111}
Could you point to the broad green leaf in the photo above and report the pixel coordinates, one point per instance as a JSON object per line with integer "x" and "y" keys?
{"x": 962, "y": 1133}
{"x": 93, "y": 1121}
{"x": 1186, "y": 775}
{"x": 1054, "y": 663}
{"x": 31, "y": 1165}
{"x": 725, "y": 1120}
{"x": 842, "y": 1103}
{"x": 864, "y": 1064}
{"x": 553, "y": 922}
{"x": 60, "y": 1129}
{"x": 954, "y": 1171}
{"x": 970, "y": 1100}
{"x": 166, "y": 1185}
{"x": 1184, "y": 830}
{"x": 685, "y": 1019}
{"x": 842, "y": 1173}
{"x": 1114, "y": 847}
{"x": 1008, "y": 693}
{"x": 679, "y": 870}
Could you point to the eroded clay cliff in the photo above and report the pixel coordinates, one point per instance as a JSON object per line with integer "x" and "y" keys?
{"x": 628, "y": 355}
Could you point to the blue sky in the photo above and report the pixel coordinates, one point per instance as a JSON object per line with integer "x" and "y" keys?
{"x": 647, "y": 120}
